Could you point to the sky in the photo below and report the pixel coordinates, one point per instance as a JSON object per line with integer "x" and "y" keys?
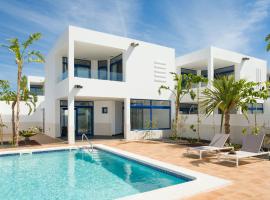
{"x": 186, "y": 25}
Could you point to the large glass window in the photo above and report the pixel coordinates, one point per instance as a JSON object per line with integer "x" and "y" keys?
{"x": 82, "y": 68}
{"x": 225, "y": 71}
{"x": 255, "y": 108}
{"x": 188, "y": 71}
{"x": 116, "y": 68}
{"x": 37, "y": 90}
{"x": 188, "y": 108}
{"x": 102, "y": 70}
{"x": 150, "y": 114}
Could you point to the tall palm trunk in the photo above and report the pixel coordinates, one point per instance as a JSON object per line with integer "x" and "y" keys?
{"x": 177, "y": 105}
{"x": 227, "y": 122}
{"x": 17, "y": 121}
{"x": 13, "y": 121}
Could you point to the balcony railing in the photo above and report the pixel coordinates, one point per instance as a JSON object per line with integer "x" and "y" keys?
{"x": 94, "y": 74}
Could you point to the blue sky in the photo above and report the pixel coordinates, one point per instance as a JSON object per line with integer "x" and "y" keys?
{"x": 186, "y": 25}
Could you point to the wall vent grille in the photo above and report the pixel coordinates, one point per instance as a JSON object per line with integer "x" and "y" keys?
{"x": 160, "y": 72}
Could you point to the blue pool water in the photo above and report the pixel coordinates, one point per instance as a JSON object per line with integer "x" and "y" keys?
{"x": 77, "y": 175}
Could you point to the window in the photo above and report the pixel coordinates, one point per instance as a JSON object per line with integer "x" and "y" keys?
{"x": 82, "y": 68}
{"x": 102, "y": 70}
{"x": 150, "y": 114}
{"x": 64, "y": 64}
{"x": 37, "y": 90}
{"x": 204, "y": 73}
{"x": 188, "y": 71}
{"x": 116, "y": 71}
{"x": 188, "y": 108}
{"x": 255, "y": 108}
{"x": 225, "y": 71}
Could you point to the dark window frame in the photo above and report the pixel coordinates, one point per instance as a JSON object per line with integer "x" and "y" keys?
{"x": 150, "y": 107}
{"x": 37, "y": 89}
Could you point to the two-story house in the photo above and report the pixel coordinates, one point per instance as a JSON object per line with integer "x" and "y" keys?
{"x": 101, "y": 84}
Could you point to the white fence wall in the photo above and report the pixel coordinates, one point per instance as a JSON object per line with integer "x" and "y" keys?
{"x": 26, "y": 121}
{"x": 211, "y": 125}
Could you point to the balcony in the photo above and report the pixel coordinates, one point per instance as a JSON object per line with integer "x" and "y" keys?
{"x": 106, "y": 69}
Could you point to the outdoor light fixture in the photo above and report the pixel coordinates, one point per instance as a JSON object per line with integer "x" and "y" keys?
{"x": 245, "y": 58}
{"x": 133, "y": 44}
{"x": 78, "y": 86}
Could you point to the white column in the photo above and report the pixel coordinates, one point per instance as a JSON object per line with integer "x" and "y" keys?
{"x": 126, "y": 118}
{"x": 71, "y": 130}
{"x": 210, "y": 67}
{"x": 94, "y": 69}
{"x": 71, "y": 121}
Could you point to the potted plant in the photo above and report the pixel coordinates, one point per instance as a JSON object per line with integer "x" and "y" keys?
{"x": 29, "y": 133}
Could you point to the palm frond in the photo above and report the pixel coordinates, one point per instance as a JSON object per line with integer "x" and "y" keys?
{"x": 15, "y": 48}
{"x": 35, "y": 56}
{"x": 268, "y": 47}
{"x": 31, "y": 39}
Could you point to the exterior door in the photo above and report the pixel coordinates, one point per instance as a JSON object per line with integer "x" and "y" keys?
{"x": 84, "y": 121}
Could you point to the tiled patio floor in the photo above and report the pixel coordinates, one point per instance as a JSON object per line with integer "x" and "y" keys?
{"x": 251, "y": 180}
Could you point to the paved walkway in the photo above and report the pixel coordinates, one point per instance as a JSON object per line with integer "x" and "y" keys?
{"x": 251, "y": 180}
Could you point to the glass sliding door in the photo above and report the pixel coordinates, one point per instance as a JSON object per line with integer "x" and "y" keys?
{"x": 64, "y": 121}
{"x": 83, "y": 118}
{"x": 84, "y": 121}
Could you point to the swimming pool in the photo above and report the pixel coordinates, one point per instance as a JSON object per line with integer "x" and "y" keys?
{"x": 77, "y": 174}
{"x": 67, "y": 172}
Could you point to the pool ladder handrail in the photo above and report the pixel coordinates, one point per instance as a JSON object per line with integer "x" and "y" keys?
{"x": 90, "y": 143}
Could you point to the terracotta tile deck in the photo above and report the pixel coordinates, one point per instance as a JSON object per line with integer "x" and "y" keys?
{"x": 250, "y": 179}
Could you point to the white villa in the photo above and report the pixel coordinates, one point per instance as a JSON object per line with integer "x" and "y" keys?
{"x": 104, "y": 85}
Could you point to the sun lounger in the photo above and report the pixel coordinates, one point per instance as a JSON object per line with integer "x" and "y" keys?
{"x": 216, "y": 145}
{"x": 251, "y": 147}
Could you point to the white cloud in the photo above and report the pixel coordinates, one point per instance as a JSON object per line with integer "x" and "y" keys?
{"x": 111, "y": 16}
{"x": 226, "y": 24}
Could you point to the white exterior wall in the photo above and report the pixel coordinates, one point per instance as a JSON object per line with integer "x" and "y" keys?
{"x": 138, "y": 72}
{"x": 104, "y": 123}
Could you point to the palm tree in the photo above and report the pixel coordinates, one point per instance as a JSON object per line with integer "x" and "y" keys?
{"x": 227, "y": 95}
{"x": 182, "y": 86}
{"x": 267, "y": 39}
{"x": 22, "y": 55}
{"x": 26, "y": 96}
